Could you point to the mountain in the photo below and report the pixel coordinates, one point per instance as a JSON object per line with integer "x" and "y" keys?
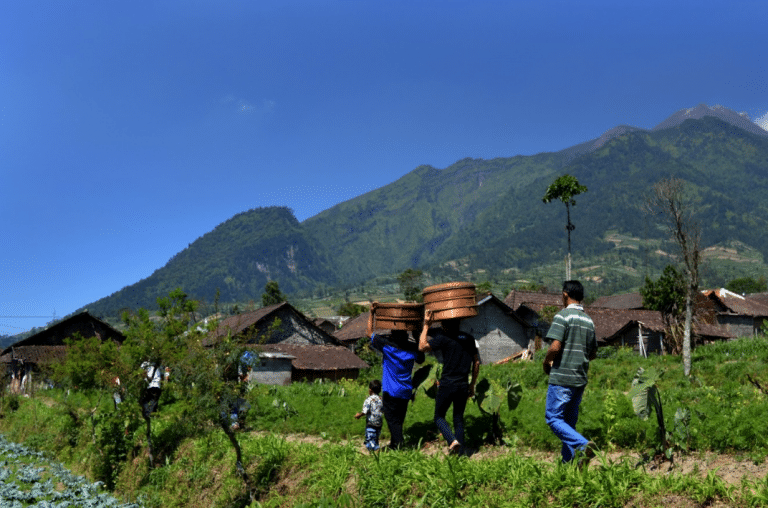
{"x": 237, "y": 258}
{"x": 740, "y": 120}
{"x": 486, "y": 217}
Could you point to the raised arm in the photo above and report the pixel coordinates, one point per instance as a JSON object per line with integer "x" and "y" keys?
{"x": 424, "y": 346}
{"x": 369, "y": 330}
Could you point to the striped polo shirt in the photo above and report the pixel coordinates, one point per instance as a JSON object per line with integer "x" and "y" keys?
{"x": 575, "y": 330}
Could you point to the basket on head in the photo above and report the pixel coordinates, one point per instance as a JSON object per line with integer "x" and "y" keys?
{"x": 451, "y": 300}
{"x": 398, "y": 316}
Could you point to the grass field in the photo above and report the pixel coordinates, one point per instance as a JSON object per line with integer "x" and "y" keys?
{"x": 303, "y": 447}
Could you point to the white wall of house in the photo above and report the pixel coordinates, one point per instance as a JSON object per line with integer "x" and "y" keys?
{"x": 272, "y": 369}
{"x": 498, "y": 335}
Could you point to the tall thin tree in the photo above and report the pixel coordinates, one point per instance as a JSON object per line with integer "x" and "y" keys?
{"x": 565, "y": 188}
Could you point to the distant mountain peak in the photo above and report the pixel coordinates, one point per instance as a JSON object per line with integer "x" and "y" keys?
{"x": 730, "y": 116}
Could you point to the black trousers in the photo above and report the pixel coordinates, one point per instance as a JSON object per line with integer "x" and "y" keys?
{"x": 394, "y": 413}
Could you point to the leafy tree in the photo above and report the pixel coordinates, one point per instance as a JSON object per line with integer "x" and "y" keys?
{"x": 411, "y": 284}
{"x": 351, "y": 309}
{"x": 670, "y": 200}
{"x": 211, "y": 380}
{"x": 484, "y": 287}
{"x": 159, "y": 345}
{"x": 746, "y": 285}
{"x": 565, "y": 188}
{"x": 667, "y": 295}
{"x": 272, "y": 294}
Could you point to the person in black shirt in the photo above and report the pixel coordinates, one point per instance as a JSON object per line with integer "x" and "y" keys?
{"x": 460, "y": 356}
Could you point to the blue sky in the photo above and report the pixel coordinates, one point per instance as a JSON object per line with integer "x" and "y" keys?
{"x": 130, "y": 129}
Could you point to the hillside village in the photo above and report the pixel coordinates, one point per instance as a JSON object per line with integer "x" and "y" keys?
{"x": 292, "y": 347}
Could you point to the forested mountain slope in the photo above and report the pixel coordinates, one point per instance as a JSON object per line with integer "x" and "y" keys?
{"x": 488, "y": 213}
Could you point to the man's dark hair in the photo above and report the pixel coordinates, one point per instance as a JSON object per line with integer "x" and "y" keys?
{"x": 574, "y": 290}
{"x": 375, "y": 386}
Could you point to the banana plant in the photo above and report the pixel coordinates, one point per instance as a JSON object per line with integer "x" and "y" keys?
{"x": 489, "y": 395}
{"x": 646, "y": 398}
{"x": 427, "y": 379}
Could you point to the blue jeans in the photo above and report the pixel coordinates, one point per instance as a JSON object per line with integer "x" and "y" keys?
{"x": 372, "y": 438}
{"x": 561, "y": 414}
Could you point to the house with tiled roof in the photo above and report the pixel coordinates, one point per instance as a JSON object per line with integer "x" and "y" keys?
{"x": 642, "y": 330}
{"x": 310, "y": 362}
{"x": 742, "y": 316}
{"x": 274, "y": 324}
{"x": 532, "y": 305}
{"x": 645, "y": 330}
{"x": 282, "y": 329}
{"x": 356, "y": 329}
{"x": 27, "y": 358}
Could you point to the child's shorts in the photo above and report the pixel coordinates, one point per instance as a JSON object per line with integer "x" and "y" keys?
{"x": 372, "y": 438}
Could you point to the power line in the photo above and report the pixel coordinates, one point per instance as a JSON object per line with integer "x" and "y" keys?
{"x": 35, "y": 317}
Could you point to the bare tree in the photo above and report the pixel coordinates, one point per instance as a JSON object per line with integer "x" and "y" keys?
{"x": 669, "y": 199}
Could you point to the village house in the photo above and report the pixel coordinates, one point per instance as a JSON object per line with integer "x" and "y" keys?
{"x": 535, "y": 308}
{"x": 285, "y": 332}
{"x": 741, "y": 315}
{"x": 498, "y": 330}
{"x": 355, "y": 329}
{"x": 28, "y": 358}
{"x": 645, "y": 330}
{"x": 642, "y": 330}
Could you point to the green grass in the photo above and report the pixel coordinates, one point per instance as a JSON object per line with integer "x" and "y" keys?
{"x": 331, "y": 467}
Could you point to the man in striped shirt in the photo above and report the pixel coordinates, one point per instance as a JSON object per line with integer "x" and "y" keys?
{"x": 573, "y": 345}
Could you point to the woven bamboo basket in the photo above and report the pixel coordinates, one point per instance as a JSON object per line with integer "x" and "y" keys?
{"x": 451, "y": 300}
{"x": 399, "y": 316}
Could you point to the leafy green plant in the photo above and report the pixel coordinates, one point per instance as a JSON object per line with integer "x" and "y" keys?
{"x": 489, "y": 395}
{"x": 646, "y": 399}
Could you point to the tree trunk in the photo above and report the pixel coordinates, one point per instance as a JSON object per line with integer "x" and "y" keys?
{"x": 687, "y": 333}
{"x": 570, "y": 227}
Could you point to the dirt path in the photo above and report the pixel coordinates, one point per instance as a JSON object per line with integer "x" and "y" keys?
{"x": 729, "y": 468}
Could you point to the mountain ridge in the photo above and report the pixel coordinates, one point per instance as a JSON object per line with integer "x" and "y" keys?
{"x": 486, "y": 212}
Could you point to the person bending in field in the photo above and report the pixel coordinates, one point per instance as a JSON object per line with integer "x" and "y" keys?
{"x": 460, "y": 356}
{"x": 372, "y": 412}
{"x": 398, "y": 357}
{"x": 573, "y": 345}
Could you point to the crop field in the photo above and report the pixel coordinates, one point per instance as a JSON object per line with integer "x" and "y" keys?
{"x": 29, "y": 479}
{"x": 301, "y": 445}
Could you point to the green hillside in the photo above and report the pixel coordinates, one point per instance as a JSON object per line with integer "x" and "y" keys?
{"x": 238, "y": 258}
{"x": 485, "y": 220}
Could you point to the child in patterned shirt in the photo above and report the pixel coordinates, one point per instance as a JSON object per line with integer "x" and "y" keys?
{"x": 372, "y": 410}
